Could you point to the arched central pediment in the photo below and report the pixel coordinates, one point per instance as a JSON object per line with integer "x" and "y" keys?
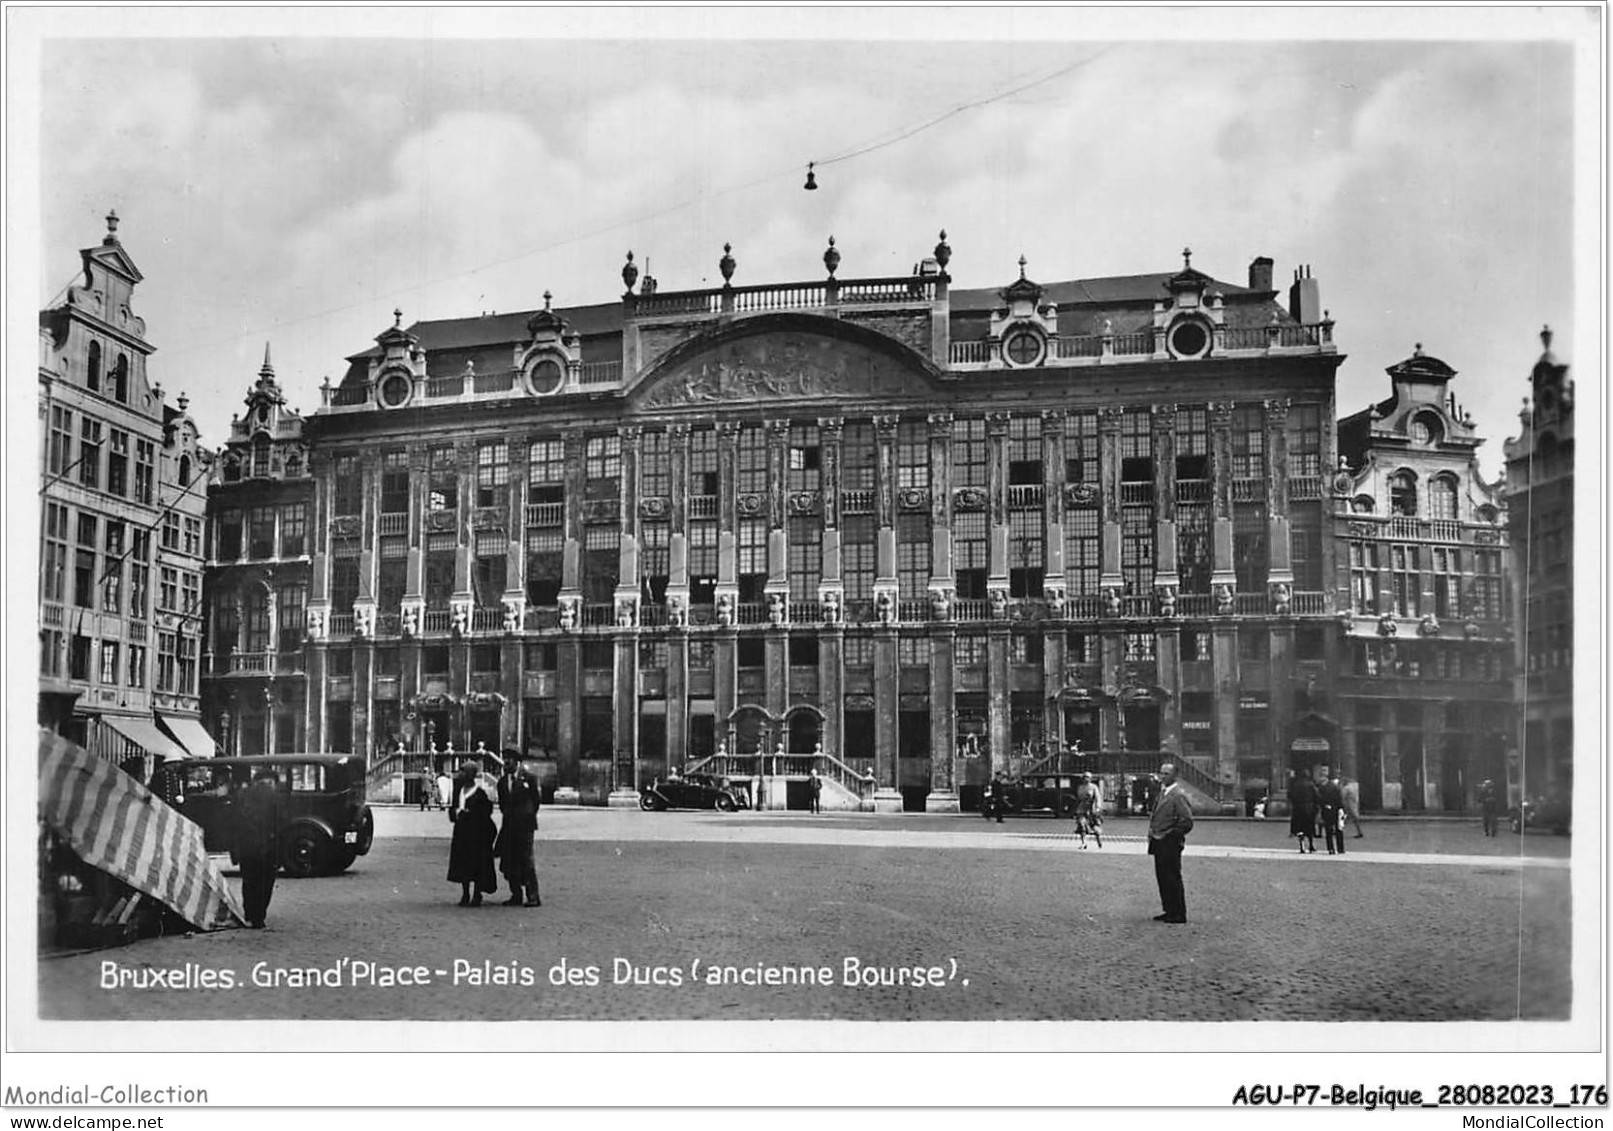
{"x": 785, "y": 357}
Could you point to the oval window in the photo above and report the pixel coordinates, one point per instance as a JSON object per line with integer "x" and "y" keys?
{"x": 395, "y": 390}
{"x": 1023, "y": 348}
{"x": 1189, "y": 339}
{"x": 545, "y": 377}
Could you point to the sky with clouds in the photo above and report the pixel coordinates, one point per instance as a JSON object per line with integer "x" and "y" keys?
{"x": 291, "y": 179}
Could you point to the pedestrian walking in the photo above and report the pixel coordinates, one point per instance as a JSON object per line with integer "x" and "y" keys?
{"x": 257, "y": 844}
{"x": 470, "y": 854}
{"x": 1088, "y": 811}
{"x": 1351, "y": 790}
{"x": 996, "y": 802}
{"x": 445, "y": 788}
{"x": 519, "y": 797}
{"x": 1302, "y": 810}
{"x": 1168, "y": 826}
{"x": 817, "y": 791}
{"x": 1489, "y": 806}
{"x": 1330, "y": 797}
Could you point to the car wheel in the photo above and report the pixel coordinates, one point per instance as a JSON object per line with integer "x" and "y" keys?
{"x": 306, "y": 853}
{"x": 366, "y": 834}
{"x": 725, "y": 803}
{"x": 342, "y": 862}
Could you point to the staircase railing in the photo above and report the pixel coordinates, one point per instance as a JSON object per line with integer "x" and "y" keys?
{"x": 786, "y": 765}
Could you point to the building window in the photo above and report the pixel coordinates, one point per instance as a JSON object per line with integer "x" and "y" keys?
{"x": 859, "y": 458}
{"x": 1192, "y": 445}
{"x": 348, "y": 496}
{"x": 293, "y": 530}
{"x": 1025, "y": 451}
{"x": 702, "y": 561}
{"x": 261, "y": 456}
{"x": 84, "y": 579}
{"x": 1487, "y": 584}
{"x": 1139, "y": 647}
{"x": 60, "y": 457}
{"x": 1305, "y": 440}
{"x": 751, "y": 651}
{"x": 1080, "y": 647}
{"x": 702, "y": 463}
{"x": 139, "y": 590}
{"x": 1136, "y": 447}
{"x": 145, "y": 456}
{"x": 806, "y": 557}
{"x": 805, "y": 461}
{"x": 1250, "y": 547}
{"x": 229, "y": 535}
{"x": 752, "y": 559}
{"x": 752, "y": 460}
{"x": 652, "y": 653}
{"x": 912, "y": 455}
{"x": 858, "y": 651}
{"x": 167, "y": 661}
{"x": 393, "y": 579}
{"x": 654, "y": 560}
{"x": 1364, "y": 577}
{"x": 187, "y": 665}
{"x": 1025, "y": 648}
{"x": 971, "y": 557}
{"x": 859, "y": 556}
{"x": 291, "y": 610}
{"x": 78, "y": 658}
{"x": 1406, "y": 579}
{"x": 137, "y": 665}
{"x": 167, "y": 590}
{"x": 803, "y": 651}
{"x": 544, "y": 561}
{"x": 1447, "y": 582}
{"x": 117, "y": 464}
{"x": 1305, "y": 555}
{"x": 1195, "y": 646}
{"x": 969, "y": 649}
{"x": 654, "y": 464}
{"x": 913, "y": 651}
{"x": 260, "y": 533}
{"x": 170, "y": 531}
{"x": 184, "y": 471}
{"x": 394, "y": 483}
{"x": 1194, "y": 556}
{"x": 89, "y": 454}
{"x": 92, "y": 368}
{"x": 190, "y": 587}
{"x": 1081, "y": 555}
{"x": 112, "y": 580}
{"x": 193, "y": 537}
{"x": 1137, "y": 549}
{"x": 912, "y": 553}
{"x": 1025, "y": 553}
{"x": 604, "y": 458}
{"x": 1254, "y": 644}
{"x": 1248, "y": 443}
{"x": 1442, "y": 493}
{"x": 1403, "y": 494}
{"x": 492, "y": 474}
{"x": 109, "y": 661}
{"x": 344, "y": 588}
{"x": 700, "y": 653}
{"x": 443, "y": 478}
{"x": 120, "y": 379}
{"x": 1081, "y": 448}
{"x": 55, "y": 557}
{"x": 970, "y": 452}
{"x": 602, "y": 562}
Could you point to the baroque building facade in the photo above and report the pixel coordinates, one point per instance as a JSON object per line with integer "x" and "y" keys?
{"x": 1423, "y": 680}
{"x": 1540, "y": 487}
{"x": 122, "y": 528}
{"x": 906, "y": 533}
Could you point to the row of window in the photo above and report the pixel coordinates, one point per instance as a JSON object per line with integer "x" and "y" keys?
{"x": 113, "y": 663}
{"x": 1422, "y": 659}
{"x": 102, "y": 462}
{"x": 260, "y": 533}
{"x": 858, "y": 458}
{"x": 113, "y": 381}
{"x": 1460, "y": 582}
{"x": 107, "y": 566}
{"x": 1444, "y": 498}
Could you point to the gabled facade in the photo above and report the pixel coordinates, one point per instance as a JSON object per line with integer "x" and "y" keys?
{"x": 1424, "y": 674}
{"x": 1540, "y": 492}
{"x": 904, "y": 533}
{"x": 259, "y": 507}
{"x": 122, "y": 505}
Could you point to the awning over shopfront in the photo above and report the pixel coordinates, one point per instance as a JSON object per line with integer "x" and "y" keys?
{"x": 190, "y": 733}
{"x": 144, "y": 734}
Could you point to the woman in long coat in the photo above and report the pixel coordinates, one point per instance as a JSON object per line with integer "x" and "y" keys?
{"x": 470, "y": 856}
{"x": 1302, "y": 801}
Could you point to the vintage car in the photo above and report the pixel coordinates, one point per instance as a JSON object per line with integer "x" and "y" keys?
{"x": 1041, "y": 793}
{"x": 694, "y": 791}
{"x": 1542, "y": 813}
{"x": 325, "y": 823}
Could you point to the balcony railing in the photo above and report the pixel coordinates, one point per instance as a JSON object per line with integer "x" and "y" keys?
{"x": 600, "y": 373}
{"x": 1078, "y": 346}
{"x": 600, "y": 615}
{"x": 1085, "y": 606}
{"x": 545, "y": 514}
{"x": 487, "y": 619}
{"x": 390, "y": 523}
{"x": 437, "y": 620}
{"x": 341, "y": 625}
{"x": 913, "y": 612}
{"x": 1192, "y": 490}
{"x": 805, "y": 612}
{"x": 1251, "y": 604}
{"x": 1135, "y": 494}
{"x": 388, "y": 624}
{"x": 1248, "y": 490}
{"x": 650, "y": 615}
{"x": 702, "y": 506}
{"x": 1304, "y": 487}
{"x": 493, "y": 383}
{"x": 751, "y": 613}
{"x": 541, "y": 617}
{"x": 346, "y": 395}
{"x": 857, "y": 502}
{"x": 970, "y": 608}
{"x": 1025, "y": 496}
{"x": 969, "y": 353}
{"x": 899, "y": 289}
{"x": 1308, "y": 604}
{"x": 1194, "y": 604}
{"x": 453, "y": 386}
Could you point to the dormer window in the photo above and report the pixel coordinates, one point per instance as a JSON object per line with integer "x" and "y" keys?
{"x": 1403, "y": 494}
{"x": 1023, "y": 347}
{"x": 1426, "y": 429}
{"x": 545, "y": 377}
{"x": 394, "y": 390}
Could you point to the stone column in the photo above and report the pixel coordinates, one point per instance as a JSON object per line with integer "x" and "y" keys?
{"x": 1053, "y": 586}
{"x": 1279, "y": 566}
{"x": 943, "y": 796}
{"x": 677, "y": 590}
{"x": 1110, "y": 580}
{"x": 568, "y": 673}
{"x": 831, "y": 431}
{"x": 997, "y": 508}
{"x": 624, "y": 790}
{"x": 887, "y": 605}
{"x": 1222, "y": 574}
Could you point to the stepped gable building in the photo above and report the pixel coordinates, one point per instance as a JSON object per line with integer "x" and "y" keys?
{"x": 122, "y": 502}
{"x": 1540, "y": 514}
{"x": 904, "y": 533}
{"x": 260, "y": 501}
{"x": 1424, "y": 677}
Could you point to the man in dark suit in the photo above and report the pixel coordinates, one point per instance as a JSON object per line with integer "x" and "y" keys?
{"x": 519, "y": 796}
{"x": 1168, "y": 827}
{"x": 257, "y": 844}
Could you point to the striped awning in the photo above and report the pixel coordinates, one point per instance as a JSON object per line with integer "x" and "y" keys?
{"x": 191, "y": 735}
{"x": 119, "y": 826}
{"x": 144, "y": 734}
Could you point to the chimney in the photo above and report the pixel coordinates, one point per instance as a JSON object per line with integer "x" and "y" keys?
{"x": 1305, "y": 298}
{"x": 1260, "y": 274}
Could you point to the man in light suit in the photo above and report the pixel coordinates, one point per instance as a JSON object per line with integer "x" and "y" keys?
{"x": 1168, "y": 827}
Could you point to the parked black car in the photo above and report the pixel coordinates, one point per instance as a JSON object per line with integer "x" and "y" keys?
{"x": 694, "y": 791}
{"x": 1542, "y": 813}
{"x": 1044, "y": 793}
{"x": 325, "y": 823}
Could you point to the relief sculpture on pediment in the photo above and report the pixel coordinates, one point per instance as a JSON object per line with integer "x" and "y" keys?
{"x": 775, "y": 368}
